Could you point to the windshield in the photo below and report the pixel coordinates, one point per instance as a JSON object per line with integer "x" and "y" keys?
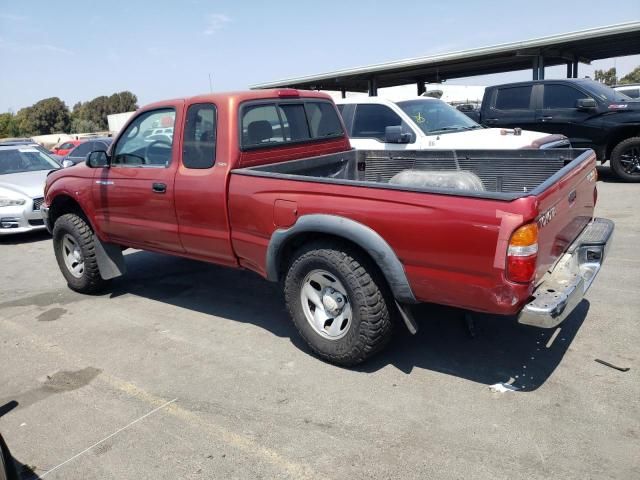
{"x": 436, "y": 117}
{"x": 608, "y": 94}
{"x": 27, "y": 159}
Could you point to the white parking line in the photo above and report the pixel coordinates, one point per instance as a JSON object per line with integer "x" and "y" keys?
{"x": 108, "y": 437}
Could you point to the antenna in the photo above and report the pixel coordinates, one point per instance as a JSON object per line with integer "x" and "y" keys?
{"x": 210, "y": 84}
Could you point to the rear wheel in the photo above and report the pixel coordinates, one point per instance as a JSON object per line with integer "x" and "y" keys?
{"x": 338, "y": 302}
{"x": 625, "y": 160}
{"x": 74, "y": 247}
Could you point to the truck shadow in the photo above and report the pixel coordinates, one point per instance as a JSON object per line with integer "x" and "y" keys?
{"x": 26, "y": 237}
{"x": 501, "y": 351}
{"x": 606, "y": 175}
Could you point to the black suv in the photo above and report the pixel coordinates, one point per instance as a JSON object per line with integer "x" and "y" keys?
{"x": 590, "y": 114}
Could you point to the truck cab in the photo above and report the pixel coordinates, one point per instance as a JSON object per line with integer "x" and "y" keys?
{"x": 590, "y": 114}
{"x": 426, "y": 123}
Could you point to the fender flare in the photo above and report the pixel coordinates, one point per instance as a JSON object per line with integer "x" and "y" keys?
{"x": 363, "y": 236}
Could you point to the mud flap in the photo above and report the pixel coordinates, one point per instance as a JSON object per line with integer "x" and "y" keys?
{"x": 406, "y": 315}
{"x": 110, "y": 259}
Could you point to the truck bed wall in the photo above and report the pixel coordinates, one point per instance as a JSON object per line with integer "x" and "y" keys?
{"x": 505, "y": 174}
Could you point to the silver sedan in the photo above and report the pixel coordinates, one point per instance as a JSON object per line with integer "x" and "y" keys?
{"x": 23, "y": 170}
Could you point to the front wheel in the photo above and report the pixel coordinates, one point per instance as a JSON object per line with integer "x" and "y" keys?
{"x": 625, "y": 160}
{"x": 337, "y": 301}
{"x": 74, "y": 247}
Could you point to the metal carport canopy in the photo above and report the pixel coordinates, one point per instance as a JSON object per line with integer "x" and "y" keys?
{"x": 567, "y": 48}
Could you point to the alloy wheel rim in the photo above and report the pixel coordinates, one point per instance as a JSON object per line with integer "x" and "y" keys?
{"x": 326, "y": 305}
{"x": 72, "y": 255}
{"x": 630, "y": 160}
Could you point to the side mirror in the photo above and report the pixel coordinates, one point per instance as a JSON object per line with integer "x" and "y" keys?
{"x": 67, "y": 164}
{"x": 586, "y": 104}
{"x": 393, "y": 134}
{"x": 98, "y": 159}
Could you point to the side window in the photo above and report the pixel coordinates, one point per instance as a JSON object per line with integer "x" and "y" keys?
{"x": 561, "y": 96}
{"x": 371, "y": 120}
{"x": 82, "y": 150}
{"x": 66, "y": 146}
{"x": 199, "y": 149}
{"x": 514, "y": 98}
{"x": 633, "y": 93}
{"x": 137, "y": 148}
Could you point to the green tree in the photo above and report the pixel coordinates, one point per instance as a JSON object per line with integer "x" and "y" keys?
{"x": 78, "y": 125}
{"x": 8, "y": 125}
{"x": 91, "y": 116}
{"x": 122, "y": 102}
{"x": 23, "y": 121}
{"x": 50, "y": 115}
{"x": 632, "y": 77}
{"x": 608, "y": 77}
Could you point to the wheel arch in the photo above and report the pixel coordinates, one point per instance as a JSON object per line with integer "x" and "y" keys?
{"x": 109, "y": 256}
{"x": 620, "y": 135}
{"x": 63, "y": 204}
{"x": 284, "y": 243}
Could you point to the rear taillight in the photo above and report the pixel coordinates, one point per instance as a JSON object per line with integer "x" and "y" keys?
{"x": 522, "y": 254}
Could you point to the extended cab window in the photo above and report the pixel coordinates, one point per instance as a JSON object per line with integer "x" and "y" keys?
{"x": 136, "y": 148}
{"x": 561, "y": 96}
{"x": 371, "y": 120}
{"x": 270, "y": 124}
{"x": 200, "y": 136}
{"x": 513, "y": 98}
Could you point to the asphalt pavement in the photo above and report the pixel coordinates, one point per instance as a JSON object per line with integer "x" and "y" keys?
{"x": 192, "y": 371}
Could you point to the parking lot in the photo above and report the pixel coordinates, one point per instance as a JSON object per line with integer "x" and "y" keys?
{"x": 189, "y": 370}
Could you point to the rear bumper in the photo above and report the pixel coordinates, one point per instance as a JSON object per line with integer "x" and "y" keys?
{"x": 564, "y": 287}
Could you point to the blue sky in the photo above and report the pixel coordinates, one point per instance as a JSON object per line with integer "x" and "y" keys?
{"x": 77, "y": 50}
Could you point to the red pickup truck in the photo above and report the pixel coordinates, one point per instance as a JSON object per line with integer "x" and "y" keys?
{"x": 266, "y": 180}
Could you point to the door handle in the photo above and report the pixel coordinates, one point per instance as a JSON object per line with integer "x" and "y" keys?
{"x": 546, "y": 117}
{"x": 159, "y": 187}
{"x": 491, "y": 120}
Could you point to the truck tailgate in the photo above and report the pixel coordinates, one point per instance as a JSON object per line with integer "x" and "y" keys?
{"x": 564, "y": 210}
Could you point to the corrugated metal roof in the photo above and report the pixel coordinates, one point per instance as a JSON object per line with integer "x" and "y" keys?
{"x": 584, "y": 46}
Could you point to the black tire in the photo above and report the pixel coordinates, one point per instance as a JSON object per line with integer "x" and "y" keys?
{"x": 620, "y": 165}
{"x": 371, "y": 324}
{"x": 81, "y": 233}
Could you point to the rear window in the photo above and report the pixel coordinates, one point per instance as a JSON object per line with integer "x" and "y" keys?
{"x": 267, "y": 124}
{"x": 513, "y": 98}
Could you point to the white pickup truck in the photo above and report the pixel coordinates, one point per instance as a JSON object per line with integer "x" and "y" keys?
{"x": 425, "y": 123}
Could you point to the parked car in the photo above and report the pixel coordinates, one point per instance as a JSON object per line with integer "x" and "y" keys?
{"x": 425, "y": 123}
{"x": 589, "y": 113}
{"x": 80, "y": 152}
{"x": 23, "y": 170}
{"x": 65, "y": 147}
{"x": 631, "y": 90}
{"x": 267, "y": 180}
